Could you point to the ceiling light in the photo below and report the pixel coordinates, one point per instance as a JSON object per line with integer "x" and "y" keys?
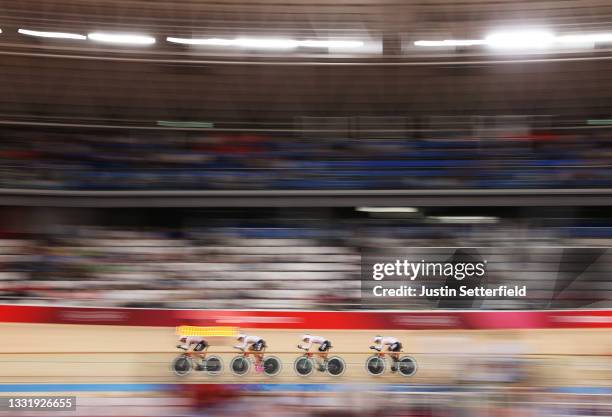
{"x": 206, "y": 41}
{"x": 121, "y": 38}
{"x": 58, "y": 35}
{"x": 330, "y": 44}
{"x": 585, "y": 38}
{"x": 464, "y": 219}
{"x": 451, "y": 42}
{"x": 526, "y": 39}
{"x": 267, "y": 43}
{"x": 387, "y": 209}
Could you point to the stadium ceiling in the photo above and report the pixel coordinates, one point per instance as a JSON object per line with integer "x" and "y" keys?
{"x": 78, "y": 81}
{"x": 90, "y": 91}
{"x": 268, "y": 14}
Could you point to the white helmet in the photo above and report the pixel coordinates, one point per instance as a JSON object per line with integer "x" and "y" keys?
{"x": 306, "y": 337}
{"x": 240, "y": 336}
{"x": 377, "y": 339}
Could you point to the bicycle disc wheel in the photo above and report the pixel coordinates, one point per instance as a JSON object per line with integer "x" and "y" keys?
{"x": 272, "y": 365}
{"x": 213, "y": 365}
{"x": 240, "y": 365}
{"x": 375, "y": 365}
{"x": 182, "y": 365}
{"x": 407, "y": 366}
{"x": 303, "y": 366}
{"x": 336, "y": 366}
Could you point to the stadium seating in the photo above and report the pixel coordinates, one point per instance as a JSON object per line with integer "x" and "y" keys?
{"x": 288, "y": 267}
{"x": 99, "y": 162}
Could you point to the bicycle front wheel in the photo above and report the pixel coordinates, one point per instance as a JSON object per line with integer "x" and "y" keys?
{"x": 336, "y": 366}
{"x": 407, "y": 366}
{"x": 182, "y": 365}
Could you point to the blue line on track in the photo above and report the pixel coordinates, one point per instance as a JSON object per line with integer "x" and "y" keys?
{"x": 119, "y": 387}
{"x": 581, "y": 390}
{"x": 344, "y": 387}
{"x": 244, "y": 387}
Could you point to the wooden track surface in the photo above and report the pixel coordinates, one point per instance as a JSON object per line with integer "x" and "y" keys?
{"x": 39, "y": 353}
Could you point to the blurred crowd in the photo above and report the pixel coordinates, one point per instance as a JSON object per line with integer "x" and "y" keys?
{"x": 105, "y": 161}
{"x": 284, "y": 265}
{"x": 474, "y": 403}
{"x": 213, "y": 400}
{"x": 438, "y": 401}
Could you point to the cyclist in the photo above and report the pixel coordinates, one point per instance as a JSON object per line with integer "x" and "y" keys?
{"x": 394, "y": 347}
{"x": 255, "y": 345}
{"x": 324, "y": 346}
{"x": 200, "y": 346}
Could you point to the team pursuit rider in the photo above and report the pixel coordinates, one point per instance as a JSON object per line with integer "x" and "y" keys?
{"x": 392, "y": 345}
{"x": 200, "y": 346}
{"x": 254, "y": 344}
{"x": 323, "y": 351}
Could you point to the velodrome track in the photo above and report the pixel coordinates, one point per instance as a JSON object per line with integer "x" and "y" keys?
{"x": 129, "y": 356}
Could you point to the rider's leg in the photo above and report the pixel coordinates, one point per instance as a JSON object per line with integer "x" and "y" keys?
{"x": 395, "y": 358}
{"x": 397, "y": 348}
{"x": 259, "y": 356}
{"x": 199, "y": 356}
{"x": 320, "y": 365}
{"x": 323, "y": 355}
{"x": 202, "y": 355}
{"x": 253, "y": 352}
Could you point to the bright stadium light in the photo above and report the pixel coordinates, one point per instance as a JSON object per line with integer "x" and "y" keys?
{"x": 520, "y": 39}
{"x": 330, "y": 44}
{"x": 204, "y": 41}
{"x": 387, "y": 209}
{"x": 451, "y": 42}
{"x": 266, "y": 43}
{"x": 584, "y": 39}
{"x": 464, "y": 219}
{"x": 528, "y": 39}
{"x": 57, "y": 35}
{"x": 121, "y": 38}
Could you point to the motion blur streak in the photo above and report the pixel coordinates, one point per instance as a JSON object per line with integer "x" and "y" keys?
{"x": 267, "y": 43}
{"x": 251, "y": 165}
{"x": 121, "y": 38}
{"x": 58, "y": 35}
